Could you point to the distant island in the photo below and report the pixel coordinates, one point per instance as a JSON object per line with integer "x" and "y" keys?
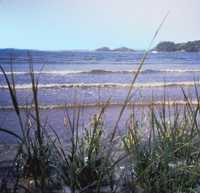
{"x": 107, "y": 49}
{"x": 166, "y": 46}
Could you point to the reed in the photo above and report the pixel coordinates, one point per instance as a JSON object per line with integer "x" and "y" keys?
{"x": 125, "y": 104}
{"x": 166, "y": 162}
{"x": 35, "y": 153}
{"x": 169, "y": 161}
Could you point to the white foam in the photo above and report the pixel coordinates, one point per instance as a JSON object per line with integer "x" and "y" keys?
{"x": 59, "y": 106}
{"x": 102, "y": 85}
{"x": 65, "y": 72}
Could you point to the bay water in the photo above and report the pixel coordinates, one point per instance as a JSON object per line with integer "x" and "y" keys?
{"x": 70, "y": 79}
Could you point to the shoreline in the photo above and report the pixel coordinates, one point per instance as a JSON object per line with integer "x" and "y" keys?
{"x": 89, "y": 51}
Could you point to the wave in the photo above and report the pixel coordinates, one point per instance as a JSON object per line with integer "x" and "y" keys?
{"x": 48, "y": 72}
{"x": 177, "y": 70}
{"x": 101, "y": 71}
{"x": 102, "y": 85}
{"x": 146, "y": 103}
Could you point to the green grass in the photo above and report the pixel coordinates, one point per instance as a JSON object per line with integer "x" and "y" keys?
{"x": 169, "y": 161}
{"x": 166, "y": 162}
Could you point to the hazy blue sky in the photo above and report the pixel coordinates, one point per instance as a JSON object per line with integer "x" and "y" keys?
{"x": 90, "y": 24}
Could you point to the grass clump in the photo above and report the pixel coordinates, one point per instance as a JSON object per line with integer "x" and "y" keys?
{"x": 166, "y": 162}
{"x": 35, "y": 148}
{"x": 169, "y": 160}
{"x": 80, "y": 167}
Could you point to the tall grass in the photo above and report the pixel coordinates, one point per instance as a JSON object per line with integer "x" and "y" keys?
{"x": 169, "y": 161}
{"x": 35, "y": 153}
{"x": 125, "y": 103}
{"x": 166, "y": 162}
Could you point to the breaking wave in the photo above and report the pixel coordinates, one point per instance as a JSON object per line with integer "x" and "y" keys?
{"x": 60, "y": 106}
{"x": 103, "y": 85}
{"x": 99, "y": 71}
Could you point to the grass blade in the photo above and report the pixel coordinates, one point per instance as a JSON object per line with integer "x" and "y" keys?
{"x": 11, "y": 92}
{"x": 12, "y": 133}
{"x": 125, "y": 103}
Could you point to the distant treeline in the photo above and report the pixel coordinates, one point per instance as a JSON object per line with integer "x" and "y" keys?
{"x": 168, "y": 46}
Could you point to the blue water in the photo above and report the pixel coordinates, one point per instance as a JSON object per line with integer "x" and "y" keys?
{"x": 69, "y": 77}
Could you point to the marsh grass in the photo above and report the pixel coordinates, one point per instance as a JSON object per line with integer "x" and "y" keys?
{"x": 80, "y": 168}
{"x": 169, "y": 161}
{"x": 166, "y": 162}
{"x": 35, "y": 148}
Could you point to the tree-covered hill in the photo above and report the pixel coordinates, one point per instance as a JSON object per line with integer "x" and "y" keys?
{"x": 168, "y": 46}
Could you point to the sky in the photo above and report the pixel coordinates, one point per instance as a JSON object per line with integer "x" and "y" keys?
{"x": 91, "y": 24}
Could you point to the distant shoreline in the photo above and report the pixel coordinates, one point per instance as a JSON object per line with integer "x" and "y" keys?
{"x": 162, "y": 47}
{"x": 140, "y": 52}
{"x": 166, "y": 46}
{"x": 87, "y": 51}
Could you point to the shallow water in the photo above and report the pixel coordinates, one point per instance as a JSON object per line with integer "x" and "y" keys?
{"x": 89, "y": 77}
